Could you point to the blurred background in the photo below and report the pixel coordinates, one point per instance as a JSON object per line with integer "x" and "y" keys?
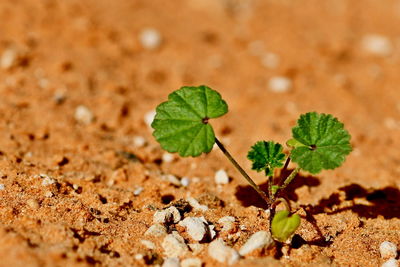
{"x": 270, "y": 59}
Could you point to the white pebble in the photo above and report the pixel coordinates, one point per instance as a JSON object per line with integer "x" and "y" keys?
{"x": 47, "y": 180}
{"x": 167, "y": 157}
{"x": 191, "y": 262}
{"x": 8, "y": 59}
{"x": 270, "y": 60}
{"x": 148, "y": 244}
{"x": 258, "y": 240}
{"x": 83, "y": 115}
{"x": 221, "y": 177}
{"x": 156, "y": 230}
{"x": 139, "y": 141}
{"x": 171, "y": 262}
{"x": 172, "y": 179}
{"x": 48, "y": 194}
{"x": 169, "y": 215}
{"x": 185, "y": 181}
{"x": 227, "y": 223}
{"x": 149, "y": 117}
{"x": 196, "y": 205}
{"x": 174, "y": 246}
{"x": 222, "y": 253}
{"x": 196, "y": 248}
{"x": 150, "y": 38}
{"x": 391, "y": 263}
{"x": 388, "y": 250}
{"x": 280, "y": 84}
{"x": 196, "y": 227}
{"x": 138, "y": 191}
{"x": 138, "y": 257}
{"x": 2, "y": 187}
{"x": 377, "y": 45}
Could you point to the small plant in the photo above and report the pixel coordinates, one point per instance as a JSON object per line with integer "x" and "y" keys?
{"x": 319, "y": 142}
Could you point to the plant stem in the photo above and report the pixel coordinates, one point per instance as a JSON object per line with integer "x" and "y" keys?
{"x": 286, "y": 165}
{"x": 243, "y": 173}
{"x": 287, "y": 181}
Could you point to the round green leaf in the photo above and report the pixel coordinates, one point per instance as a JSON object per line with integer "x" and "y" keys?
{"x": 284, "y": 225}
{"x": 325, "y": 142}
{"x": 181, "y": 123}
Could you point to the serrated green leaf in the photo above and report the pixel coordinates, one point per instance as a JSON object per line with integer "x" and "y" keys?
{"x": 293, "y": 143}
{"x": 284, "y": 225}
{"x": 326, "y": 142}
{"x": 181, "y": 123}
{"x": 266, "y": 156}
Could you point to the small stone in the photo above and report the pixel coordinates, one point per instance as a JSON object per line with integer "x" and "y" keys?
{"x": 221, "y": 177}
{"x": 196, "y": 227}
{"x": 2, "y": 187}
{"x": 171, "y": 262}
{"x": 48, "y": 194}
{"x": 173, "y": 246}
{"x": 176, "y": 216}
{"x": 150, "y": 38}
{"x": 156, "y": 230}
{"x": 227, "y": 222}
{"x": 83, "y": 115}
{"x": 185, "y": 181}
{"x": 138, "y": 257}
{"x": 388, "y": 250}
{"x": 8, "y": 59}
{"x": 47, "y": 180}
{"x": 167, "y": 157}
{"x": 196, "y": 205}
{"x": 137, "y": 191}
{"x": 270, "y": 60}
{"x": 392, "y": 262}
{"x": 149, "y": 117}
{"x": 259, "y": 240}
{"x": 222, "y": 253}
{"x": 191, "y": 262}
{"x": 377, "y": 45}
{"x": 169, "y": 215}
{"x": 279, "y": 84}
{"x": 139, "y": 141}
{"x": 171, "y": 179}
{"x": 148, "y": 244}
{"x": 32, "y": 203}
{"x": 196, "y": 248}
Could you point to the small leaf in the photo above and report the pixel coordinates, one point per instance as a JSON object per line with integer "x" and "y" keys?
{"x": 181, "y": 123}
{"x": 325, "y": 142}
{"x": 283, "y": 225}
{"x": 293, "y": 143}
{"x": 266, "y": 156}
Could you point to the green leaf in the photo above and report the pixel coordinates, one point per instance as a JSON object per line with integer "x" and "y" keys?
{"x": 181, "y": 123}
{"x": 284, "y": 225}
{"x": 325, "y": 142}
{"x": 266, "y": 156}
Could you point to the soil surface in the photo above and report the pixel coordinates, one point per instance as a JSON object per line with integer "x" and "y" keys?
{"x": 81, "y": 175}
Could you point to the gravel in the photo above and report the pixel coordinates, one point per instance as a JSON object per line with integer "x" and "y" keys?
{"x": 174, "y": 245}
{"x": 221, "y": 177}
{"x": 185, "y": 181}
{"x": 261, "y": 239}
{"x": 156, "y": 230}
{"x": 197, "y": 228}
{"x": 378, "y": 45}
{"x": 167, "y": 157}
{"x": 169, "y": 215}
{"x": 171, "y": 262}
{"x": 222, "y": 253}
{"x": 148, "y": 244}
{"x": 191, "y": 262}
{"x": 8, "y": 59}
{"x": 280, "y": 84}
{"x": 2, "y": 187}
{"x": 137, "y": 191}
{"x": 227, "y": 223}
{"x": 139, "y": 141}
{"x": 172, "y": 179}
{"x": 150, "y": 38}
{"x": 83, "y": 115}
{"x": 196, "y": 205}
{"x": 391, "y": 263}
{"x": 388, "y": 250}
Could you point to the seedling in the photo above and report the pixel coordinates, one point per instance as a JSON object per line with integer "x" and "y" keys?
{"x": 319, "y": 142}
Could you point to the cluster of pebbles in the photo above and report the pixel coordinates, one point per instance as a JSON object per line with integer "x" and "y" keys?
{"x": 183, "y": 239}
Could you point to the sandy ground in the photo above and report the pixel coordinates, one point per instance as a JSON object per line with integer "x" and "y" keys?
{"x": 70, "y": 182}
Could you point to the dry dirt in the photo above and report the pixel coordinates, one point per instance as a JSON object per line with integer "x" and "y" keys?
{"x": 68, "y": 187}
